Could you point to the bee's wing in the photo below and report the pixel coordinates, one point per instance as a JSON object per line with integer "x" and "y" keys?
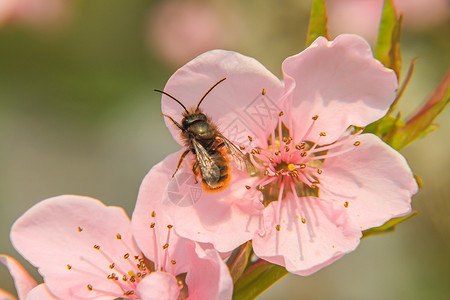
{"x": 209, "y": 169}
{"x": 243, "y": 163}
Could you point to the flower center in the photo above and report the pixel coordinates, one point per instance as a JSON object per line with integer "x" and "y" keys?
{"x": 125, "y": 275}
{"x": 294, "y": 165}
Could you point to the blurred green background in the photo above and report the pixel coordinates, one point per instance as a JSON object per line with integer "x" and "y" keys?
{"x": 78, "y": 115}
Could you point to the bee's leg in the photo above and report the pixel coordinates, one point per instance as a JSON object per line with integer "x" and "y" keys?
{"x": 174, "y": 122}
{"x": 183, "y": 155}
{"x": 194, "y": 170}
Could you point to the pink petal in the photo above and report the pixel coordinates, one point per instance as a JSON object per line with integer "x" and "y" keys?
{"x": 339, "y": 81}
{"x": 23, "y": 281}
{"x": 374, "y": 180}
{"x": 158, "y": 286}
{"x": 226, "y": 219}
{"x": 305, "y": 248}
{"x": 58, "y": 235}
{"x": 236, "y": 105}
{"x": 209, "y": 277}
{"x": 40, "y": 292}
{"x": 150, "y": 240}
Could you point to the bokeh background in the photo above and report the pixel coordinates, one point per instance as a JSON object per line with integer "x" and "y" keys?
{"x": 78, "y": 115}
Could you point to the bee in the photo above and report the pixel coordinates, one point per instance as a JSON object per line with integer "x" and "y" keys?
{"x": 212, "y": 149}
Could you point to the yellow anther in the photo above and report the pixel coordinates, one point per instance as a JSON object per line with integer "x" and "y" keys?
{"x": 346, "y": 204}
{"x": 264, "y": 91}
{"x": 357, "y": 143}
{"x": 291, "y": 167}
{"x": 118, "y": 236}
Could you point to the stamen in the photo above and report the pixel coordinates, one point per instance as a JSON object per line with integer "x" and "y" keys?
{"x": 305, "y": 136}
{"x": 165, "y": 247}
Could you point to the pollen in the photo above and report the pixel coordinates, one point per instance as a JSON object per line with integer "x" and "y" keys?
{"x": 303, "y": 220}
{"x": 291, "y": 167}
{"x": 357, "y": 143}
{"x": 242, "y": 147}
{"x": 281, "y": 114}
{"x": 89, "y": 287}
{"x": 153, "y": 214}
{"x": 165, "y": 246}
{"x": 278, "y": 227}
{"x": 118, "y": 236}
{"x": 126, "y": 255}
{"x": 96, "y": 247}
{"x": 69, "y": 267}
{"x": 263, "y": 91}
{"x": 248, "y": 187}
{"x": 173, "y": 262}
{"x": 250, "y": 138}
{"x": 346, "y": 204}
{"x": 79, "y": 229}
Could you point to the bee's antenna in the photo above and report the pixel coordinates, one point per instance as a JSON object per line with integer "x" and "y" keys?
{"x": 162, "y": 92}
{"x": 198, "y": 105}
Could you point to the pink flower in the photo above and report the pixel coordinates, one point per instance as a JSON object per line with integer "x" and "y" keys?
{"x": 181, "y": 30}
{"x": 319, "y": 183}
{"x": 35, "y": 12}
{"x": 25, "y": 284}
{"x": 363, "y": 16}
{"x": 86, "y": 250}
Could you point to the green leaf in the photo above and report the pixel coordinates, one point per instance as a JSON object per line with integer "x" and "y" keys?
{"x": 238, "y": 260}
{"x": 383, "y": 126}
{"x": 388, "y": 44}
{"x": 318, "y": 20}
{"x": 389, "y": 226}
{"x": 421, "y": 122}
{"x": 256, "y": 279}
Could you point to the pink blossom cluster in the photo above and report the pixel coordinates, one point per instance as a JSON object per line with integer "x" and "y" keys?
{"x": 319, "y": 182}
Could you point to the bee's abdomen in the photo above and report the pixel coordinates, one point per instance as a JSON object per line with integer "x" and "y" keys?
{"x": 222, "y": 162}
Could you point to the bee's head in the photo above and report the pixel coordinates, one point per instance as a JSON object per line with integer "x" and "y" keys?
{"x": 192, "y": 117}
